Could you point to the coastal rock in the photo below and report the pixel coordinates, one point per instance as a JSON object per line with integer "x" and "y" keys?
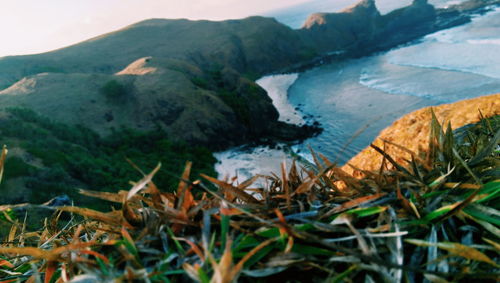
{"x": 335, "y": 31}
{"x": 362, "y": 29}
{"x": 412, "y": 130}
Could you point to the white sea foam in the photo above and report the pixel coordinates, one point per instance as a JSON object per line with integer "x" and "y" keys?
{"x": 491, "y": 41}
{"x": 450, "y": 3}
{"x": 469, "y": 48}
{"x": 277, "y": 88}
{"x": 444, "y": 36}
{"x": 461, "y": 57}
{"x": 246, "y": 163}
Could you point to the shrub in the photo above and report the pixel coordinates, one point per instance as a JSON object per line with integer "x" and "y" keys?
{"x": 114, "y": 90}
{"x": 17, "y": 167}
{"x": 239, "y": 106}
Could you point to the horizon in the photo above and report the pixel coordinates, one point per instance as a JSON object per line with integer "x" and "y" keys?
{"x": 43, "y": 27}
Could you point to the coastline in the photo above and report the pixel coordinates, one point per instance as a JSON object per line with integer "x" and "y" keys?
{"x": 349, "y": 101}
{"x": 246, "y": 161}
{"x": 277, "y": 89}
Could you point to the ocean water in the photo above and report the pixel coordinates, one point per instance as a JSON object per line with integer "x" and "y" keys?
{"x": 356, "y": 99}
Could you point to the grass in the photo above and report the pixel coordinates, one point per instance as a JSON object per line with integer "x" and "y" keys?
{"x": 433, "y": 218}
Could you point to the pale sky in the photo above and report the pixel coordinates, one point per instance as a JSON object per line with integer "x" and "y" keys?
{"x": 34, "y": 26}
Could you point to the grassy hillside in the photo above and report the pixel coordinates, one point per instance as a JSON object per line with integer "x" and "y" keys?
{"x": 179, "y": 92}
{"x": 50, "y": 159}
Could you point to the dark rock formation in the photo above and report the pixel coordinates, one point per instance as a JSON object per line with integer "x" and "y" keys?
{"x": 362, "y": 29}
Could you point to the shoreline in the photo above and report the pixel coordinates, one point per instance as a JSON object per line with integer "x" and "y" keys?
{"x": 277, "y": 87}
{"x": 446, "y": 18}
{"x": 248, "y": 160}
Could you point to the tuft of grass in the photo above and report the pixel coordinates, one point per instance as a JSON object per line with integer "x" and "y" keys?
{"x": 433, "y": 218}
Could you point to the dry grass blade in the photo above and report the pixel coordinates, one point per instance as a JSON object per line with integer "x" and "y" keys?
{"x": 143, "y": 182}
{"x": 305, "y": 187}
{"x": 363, "y": 245}
{"x": 156, "y": 196}
{"x": 2, "y": 161}
{"x": 181, "y": 188}
{"x": 456, "y": 249}
{"x": 29, "y": 251}
{"x": 493, "y": 243}
{"x": 50, "y": 269}
{"x": 248, "y": 182}
{"x": 228, "y": 188}
{"x": 194, "y": 247}
{"x": 112, "y": 197}
{"x": 462, "y": 186}
{"x": 411, "y": 152}
{"x": 49, "y": 255}
{"x": 251, "y": 253}
{"x": 391, "y": 160}
{"x": 285, "y": 185}
{"x": 410, "y": 207}
{"x": 223, "y": 272}
{"x": 111, "y": 218}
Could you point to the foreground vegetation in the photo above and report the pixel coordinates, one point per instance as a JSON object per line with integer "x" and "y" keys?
{"x": 435, "y": 217}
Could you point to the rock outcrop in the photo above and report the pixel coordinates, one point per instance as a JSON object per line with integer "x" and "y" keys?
{"x": 361, "y": 29}
{"x": 338, "y": 31}
{"x": 412, "y": 130}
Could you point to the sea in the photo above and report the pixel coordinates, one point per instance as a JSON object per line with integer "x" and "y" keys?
{"x": 355, "y": 99}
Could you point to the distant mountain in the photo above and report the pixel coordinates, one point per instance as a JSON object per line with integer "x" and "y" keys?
{"x": 194, "y": 79}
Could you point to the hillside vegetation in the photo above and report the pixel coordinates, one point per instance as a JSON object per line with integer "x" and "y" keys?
{"x": 50, "y": 159}
{"x": 434, "y": 217}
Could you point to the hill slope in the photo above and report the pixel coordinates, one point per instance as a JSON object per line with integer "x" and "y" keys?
{"x": 194, "y": 79}
{"x": 194, "y": 89}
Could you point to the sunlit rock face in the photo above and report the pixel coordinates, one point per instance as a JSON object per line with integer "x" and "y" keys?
{"x": 412, "y": 130}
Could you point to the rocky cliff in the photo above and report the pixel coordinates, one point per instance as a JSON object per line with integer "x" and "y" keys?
{"x": 412, "y": 130}
{"x": 362, "y": 29}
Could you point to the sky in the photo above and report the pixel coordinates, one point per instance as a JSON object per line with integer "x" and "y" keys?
{"x": 35, "y": 26}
